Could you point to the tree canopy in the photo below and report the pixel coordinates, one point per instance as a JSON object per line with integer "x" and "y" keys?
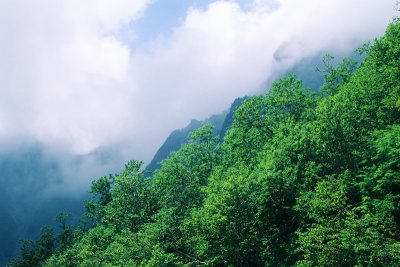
{"x": 300, "y": 178}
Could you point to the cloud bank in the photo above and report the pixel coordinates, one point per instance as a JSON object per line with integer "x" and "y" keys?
{"x": 62, "y": 70}
{"x": 82, "y": 91}
{"x": 73, "y": 76}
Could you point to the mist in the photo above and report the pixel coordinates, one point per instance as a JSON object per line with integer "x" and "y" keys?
{"x": 38, "y": 182}
{"x": 78, "y": 76}
{"x": 84, "y": 87}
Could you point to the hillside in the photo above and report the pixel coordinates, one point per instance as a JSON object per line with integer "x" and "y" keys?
{"x": 220, "y": 122}
{"x": 179, "y": 137}
{"x": 300, "y": 178}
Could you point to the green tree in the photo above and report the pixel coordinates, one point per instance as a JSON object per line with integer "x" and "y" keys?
{"x": 131, "y": 202}
{"x": 36, "y": 253}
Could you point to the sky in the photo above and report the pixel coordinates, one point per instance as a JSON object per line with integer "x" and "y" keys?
{"x": 86, "y": 85}
{"x": 80, "y": 76}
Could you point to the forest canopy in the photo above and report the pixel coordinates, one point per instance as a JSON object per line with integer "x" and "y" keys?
{"x": 301, "y": 178}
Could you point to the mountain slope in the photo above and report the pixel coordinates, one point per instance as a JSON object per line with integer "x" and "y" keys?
{"x": 179, "y": 137}
{"x": 301, "y": 178}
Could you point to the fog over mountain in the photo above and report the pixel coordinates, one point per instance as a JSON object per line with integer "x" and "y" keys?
{"x": 79, "y": 76}
{"x": 85, "y": 86}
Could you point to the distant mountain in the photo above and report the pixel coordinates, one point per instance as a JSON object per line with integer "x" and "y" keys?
{"x": 305, "y": 70}
{"x": 172, "y": 143}
{"x": 303, "y": 179}
{"x": 26, "y": 174}
{"x": 177, "y": 138}
{"x": 229, "y": 117}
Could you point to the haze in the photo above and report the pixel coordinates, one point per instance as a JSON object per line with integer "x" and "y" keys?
{"x": 92, "y": 84}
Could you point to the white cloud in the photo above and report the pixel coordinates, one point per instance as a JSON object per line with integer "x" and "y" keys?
{"x": 70, "y": 83}
{"x": 67, "y": 77}
{"x": 224, "y": 52}
{"x": 63, "y": 70}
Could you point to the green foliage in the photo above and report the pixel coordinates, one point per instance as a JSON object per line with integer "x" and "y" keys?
{"x": 131, "y": 203}
{"x": 258, "y": 117}
{"x": 300, "y": 179}
{"x": 100, "y": 246}
{"x": 101, "y": 191}
{"x": 334, "y": 77}
{"x": 36, "y": 253}
{"x": 181, "y": 176}
{"x": 222, "y": 229}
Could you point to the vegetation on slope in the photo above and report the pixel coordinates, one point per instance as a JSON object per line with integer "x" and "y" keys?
{"x": 300, "y": 178}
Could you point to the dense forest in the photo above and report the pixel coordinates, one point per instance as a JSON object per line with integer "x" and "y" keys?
{"x": 301, "y": 178}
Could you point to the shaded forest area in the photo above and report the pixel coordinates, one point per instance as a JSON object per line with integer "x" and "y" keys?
{"x": 300, "y": 178}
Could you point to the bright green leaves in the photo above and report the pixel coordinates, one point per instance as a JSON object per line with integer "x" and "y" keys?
{"x": 131, "y": 204}
{"x": 122, "y": 201}
{"x": 221, "y": 230}
{"x": 257, "y": 119}
{"x": 380, "y": 182}
{"x": 100, "y": 246}
{"x": 101, "y": 196}
{"x": 178, "y": 182}
{"x": 329, "y": 227}
{"x": 287, "y": 98}
{"x": 353, "y": 220}
{"x": 300, "y": 179}
{"x": 248, "y": 133}
{"x": 329, "y": 199}
{"x": 334, "y": 77}
{"x": 350, "y": 241}
{"x": 366, "y": 102}
{"x": 382, "y": 176}
{"x": 247, "y": 217}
